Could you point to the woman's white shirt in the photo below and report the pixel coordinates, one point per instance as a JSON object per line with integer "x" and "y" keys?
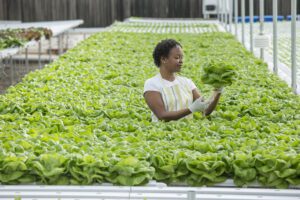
{"x": 155, "y": 83}
{"x": 176, "y": 94}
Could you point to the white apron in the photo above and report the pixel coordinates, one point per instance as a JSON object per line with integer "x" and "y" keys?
{"x": 176, "y": 97}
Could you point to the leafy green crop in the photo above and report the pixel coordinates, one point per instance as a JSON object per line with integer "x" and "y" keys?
{"x": 83, "y": 120}
{"x": 163, "y": 27}
{"x": 218, "y": 73}
{"x": 131, "y": 171}
{"x": 18, "y": 37}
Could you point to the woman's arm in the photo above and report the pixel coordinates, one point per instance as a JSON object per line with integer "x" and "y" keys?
{"x": 156, "y": 104}
{"x": 196, "y": 94}
{"x": 212, "y": 103}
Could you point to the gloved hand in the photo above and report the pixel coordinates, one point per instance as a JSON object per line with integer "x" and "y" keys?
{"x": 219, "y": 90}
{"x": 199, "y": 105}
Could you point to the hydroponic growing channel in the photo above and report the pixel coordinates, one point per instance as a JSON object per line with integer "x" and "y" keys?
{"x": 83, "y": 120}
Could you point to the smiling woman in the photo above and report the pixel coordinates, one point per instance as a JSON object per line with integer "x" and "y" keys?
{"x": 172, "y": 97}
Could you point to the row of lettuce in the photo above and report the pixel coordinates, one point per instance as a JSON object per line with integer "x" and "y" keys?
{"x": 163, "y": 27}
{"x": 18, "y": 37}
{"x": 83, "y": 120}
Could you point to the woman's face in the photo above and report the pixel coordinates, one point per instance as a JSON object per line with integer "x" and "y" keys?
{"x": 174, "y": 61}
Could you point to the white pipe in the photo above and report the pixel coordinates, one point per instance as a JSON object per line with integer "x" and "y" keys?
{"x": 222, "y": 16}
{"x": 236, "y": 17}
{"x": 261, "y": 27}
{"x": 251, "y": 25}
{"x": 225, "y": 14}
{"x": 293, "y": 45}
{"x": 230, "y": 15}
{"x": 218, "y": 10}
{"x": 243, "y": 21}
{"x": 275, "y": 44}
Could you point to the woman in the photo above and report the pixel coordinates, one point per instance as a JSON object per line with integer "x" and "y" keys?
{"x": 169, "y": 96}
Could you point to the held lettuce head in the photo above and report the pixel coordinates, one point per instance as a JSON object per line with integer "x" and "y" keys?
{"x": 218, "y": 73}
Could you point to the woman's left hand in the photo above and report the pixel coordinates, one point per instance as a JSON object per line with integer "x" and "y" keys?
{"x": 219, "y": 90}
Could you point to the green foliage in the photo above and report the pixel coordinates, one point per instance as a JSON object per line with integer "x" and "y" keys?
{"x": 83, "y": 120}
{"x": 218, "y": 73}
{"x": 10, "y": 38}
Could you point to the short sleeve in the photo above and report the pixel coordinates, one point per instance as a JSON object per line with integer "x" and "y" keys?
{"x": 191, "y": 84}
{"x": 151, "y": 85}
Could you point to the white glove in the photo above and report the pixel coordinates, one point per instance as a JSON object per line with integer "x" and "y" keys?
{"x": 198, "y": 105}
{"x": 219, "y": 90}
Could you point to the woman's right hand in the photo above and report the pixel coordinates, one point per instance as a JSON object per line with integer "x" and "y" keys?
{"x": 198, "y": 105}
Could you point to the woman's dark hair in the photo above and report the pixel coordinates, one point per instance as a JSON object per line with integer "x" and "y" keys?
{"x": 163, "y": 49}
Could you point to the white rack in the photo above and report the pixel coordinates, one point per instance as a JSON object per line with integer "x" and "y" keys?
{"x": 143, "y": 193}
{"x": 12, "y": 51}
{"x": 58, "y": 28}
